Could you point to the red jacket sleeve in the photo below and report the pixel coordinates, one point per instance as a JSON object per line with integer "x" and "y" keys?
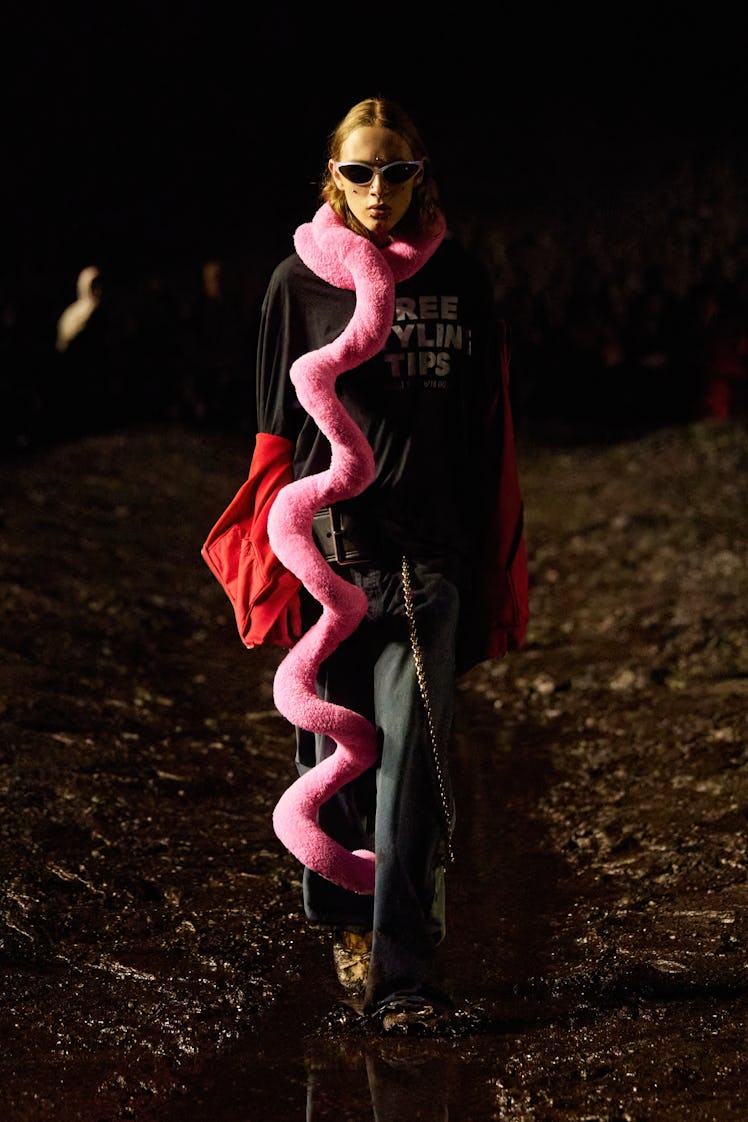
{"x": 505, "y": 573}
{"x": 495, "y": 597}
{"x": 264, "y": 594}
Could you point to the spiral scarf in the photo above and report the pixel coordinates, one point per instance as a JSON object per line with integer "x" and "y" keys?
{"x": 346, "y": 260}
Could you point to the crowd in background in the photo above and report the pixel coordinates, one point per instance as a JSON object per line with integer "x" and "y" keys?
{"x": 630, "y": 317}
{"x": 621, "y": 319}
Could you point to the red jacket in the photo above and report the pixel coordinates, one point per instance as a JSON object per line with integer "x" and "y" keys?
{"x": 264, "y": 594}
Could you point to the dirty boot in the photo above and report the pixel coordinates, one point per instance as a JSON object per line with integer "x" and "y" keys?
{"x": 351, "y": 952}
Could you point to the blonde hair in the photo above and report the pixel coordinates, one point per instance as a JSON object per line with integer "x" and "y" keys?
{"x": 379, "y": 112}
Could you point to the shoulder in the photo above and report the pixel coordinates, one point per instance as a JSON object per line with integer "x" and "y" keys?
{"x": 453, "y": 260}
{"x": 291, "y": 283}
{"x": 287, "y": 270}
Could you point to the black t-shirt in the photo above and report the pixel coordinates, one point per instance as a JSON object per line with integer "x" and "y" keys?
{"x": 421, "y": 403}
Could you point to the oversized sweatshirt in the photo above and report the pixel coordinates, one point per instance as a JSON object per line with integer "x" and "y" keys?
{"x": 423, "y": 403}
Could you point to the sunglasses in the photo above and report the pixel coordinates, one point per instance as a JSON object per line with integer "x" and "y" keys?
{"x": 400, "y": 171}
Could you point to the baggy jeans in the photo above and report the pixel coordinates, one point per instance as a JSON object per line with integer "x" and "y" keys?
{"x": 400, "y": 808}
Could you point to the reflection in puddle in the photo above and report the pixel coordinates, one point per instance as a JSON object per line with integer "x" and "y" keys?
{"x": 402, "y": 1082}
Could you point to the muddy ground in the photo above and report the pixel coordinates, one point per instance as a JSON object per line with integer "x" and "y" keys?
{"x": 155, "y": 961}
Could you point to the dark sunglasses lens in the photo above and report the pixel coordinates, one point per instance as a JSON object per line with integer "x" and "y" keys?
{"x": 400, "y": 173}
{"x": 356, "y": 173}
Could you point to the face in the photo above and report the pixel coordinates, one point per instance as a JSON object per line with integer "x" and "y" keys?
{"x": 378, "y": 205}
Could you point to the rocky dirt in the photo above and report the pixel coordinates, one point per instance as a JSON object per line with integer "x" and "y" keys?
{"x": 154, "y": 960}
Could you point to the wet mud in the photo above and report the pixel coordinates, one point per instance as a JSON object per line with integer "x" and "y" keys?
{"x": 154, "y": 960}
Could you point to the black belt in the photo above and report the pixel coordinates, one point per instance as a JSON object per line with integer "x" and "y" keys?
{"x": 338, "y": 540}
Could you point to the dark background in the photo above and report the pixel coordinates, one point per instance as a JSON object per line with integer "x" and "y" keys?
{"x": 587, "y": 153}
{"x": 196, "y": 129}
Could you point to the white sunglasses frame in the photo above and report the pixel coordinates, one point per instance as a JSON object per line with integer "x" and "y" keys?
{"x": 376, "y": 169}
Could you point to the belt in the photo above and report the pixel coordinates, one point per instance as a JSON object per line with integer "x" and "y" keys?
{"x": 337, "y": 538}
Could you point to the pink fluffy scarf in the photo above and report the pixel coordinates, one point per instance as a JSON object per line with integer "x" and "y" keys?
{"x": 345, "y": 260}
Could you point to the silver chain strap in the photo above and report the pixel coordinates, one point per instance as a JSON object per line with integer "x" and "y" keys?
{"x": 422, "y": 686}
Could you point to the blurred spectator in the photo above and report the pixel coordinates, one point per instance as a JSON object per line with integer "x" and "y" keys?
{"x": 650, "y": 342}
{"x": 726, "y": 356}
{"x": 75, "y": 317}
{"x": 159, "y": 351}
{"x": 91, "y": 388}
{"x": 218, "y": 379}
{"x": 591, "y": 384}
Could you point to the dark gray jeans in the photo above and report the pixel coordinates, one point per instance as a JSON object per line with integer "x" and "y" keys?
{"x": 396, "y": 808}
